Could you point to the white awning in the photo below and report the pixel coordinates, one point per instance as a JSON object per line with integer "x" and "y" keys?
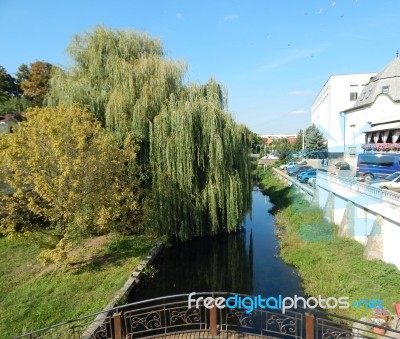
{"x": 384, "y": 127}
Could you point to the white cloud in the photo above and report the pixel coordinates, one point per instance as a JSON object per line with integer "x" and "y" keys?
{"x": 305, "y": 92}
{"x": 231, "y": 17}
{"x": 298, "y": 112}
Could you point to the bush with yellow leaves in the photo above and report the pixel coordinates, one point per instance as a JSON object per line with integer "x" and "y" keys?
{"x": 67, "y": 174}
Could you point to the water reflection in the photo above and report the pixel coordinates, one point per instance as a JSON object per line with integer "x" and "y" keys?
{"x": 245, "y": 262}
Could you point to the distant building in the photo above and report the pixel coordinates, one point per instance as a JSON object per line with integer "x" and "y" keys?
{"x": 269, "y": 139}
{"x": 339, "y": 93}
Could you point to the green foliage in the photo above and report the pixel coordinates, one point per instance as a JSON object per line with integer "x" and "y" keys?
{"x": 22, "y": 74}
{"x": 122, "y": 76}
{"x": 14, "y": 105}
{"x": 34, "y": 296}
{"x": 149, "y": 271}
{"x": 8, "y": 86}
{"x": 201, "y": 174}
{"x": 257, "y": 143}
{"x": 193, "y": 157}
{"x": 298, "y": 145}
{"x": 11, "y": 99}
{"x": 66, "y": 173}
{"x": 283, "y": 147}
{"x": 314, "y": 139}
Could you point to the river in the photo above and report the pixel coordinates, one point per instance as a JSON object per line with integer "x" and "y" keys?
{"x": 245, "y": 262}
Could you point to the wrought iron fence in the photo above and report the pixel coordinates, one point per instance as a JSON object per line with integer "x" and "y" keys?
{"x": 170, "y": 315}
{"x": 264, "y": 323}
{"x": 337, "y": 327}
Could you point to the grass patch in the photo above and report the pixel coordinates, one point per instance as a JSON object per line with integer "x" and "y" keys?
{"x": 329, "y": 265}
{"x": 35, "y": 296}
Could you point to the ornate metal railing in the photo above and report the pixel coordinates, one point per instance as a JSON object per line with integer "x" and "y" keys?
{"x": 337, "y": 327}
{"x": 164, "y": 316}
{"x": 171, "y": 315}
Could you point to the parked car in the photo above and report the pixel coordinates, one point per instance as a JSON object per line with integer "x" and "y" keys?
{"x": 303, "y": 177}
{"x": 288, "y": 165}
{"x": 273, "y": 156}
{"x": 293, "y": 164}
{"x": 391, "y": 182}
{"x": 342, "y": 165}
{"x": 376, "y": 165}
{"x": 298, "y": 169}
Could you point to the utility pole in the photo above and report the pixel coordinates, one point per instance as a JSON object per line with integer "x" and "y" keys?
{"x": 343, "y": 115}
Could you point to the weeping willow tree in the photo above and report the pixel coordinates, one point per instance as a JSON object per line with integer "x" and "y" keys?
{"x": 192, "y": 154}
{"x": 123, "y": 77}
{"x": 201, "y": 179}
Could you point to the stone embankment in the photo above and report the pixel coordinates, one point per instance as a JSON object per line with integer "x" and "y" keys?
{"x": 121, "y": 295}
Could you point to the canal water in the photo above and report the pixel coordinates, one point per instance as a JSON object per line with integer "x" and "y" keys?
{"x": 246, "y": 262}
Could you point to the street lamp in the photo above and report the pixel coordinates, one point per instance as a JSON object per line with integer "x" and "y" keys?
{"x": 343, "y": 115}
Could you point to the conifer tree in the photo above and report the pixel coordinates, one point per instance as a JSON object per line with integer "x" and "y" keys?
{"x": 314, "y": 139}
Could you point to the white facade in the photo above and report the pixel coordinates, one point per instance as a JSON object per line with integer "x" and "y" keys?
{"x": 376, "y": 114}
{"x": 339, "y": 93}
{"x": 358, "y": 122}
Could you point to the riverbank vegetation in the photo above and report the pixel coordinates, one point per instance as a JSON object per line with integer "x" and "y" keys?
{"x": 36, "y": 296}
{"x": 329, "y": 265}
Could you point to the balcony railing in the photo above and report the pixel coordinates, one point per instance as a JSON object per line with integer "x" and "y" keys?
{"x": 361, "y": 188}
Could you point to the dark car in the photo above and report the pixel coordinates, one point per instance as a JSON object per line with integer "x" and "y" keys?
{"x": 299, "y": 169}
{"x": 342, "y": 165}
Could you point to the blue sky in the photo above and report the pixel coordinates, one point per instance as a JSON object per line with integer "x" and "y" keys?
{"x": 272, "y": 56}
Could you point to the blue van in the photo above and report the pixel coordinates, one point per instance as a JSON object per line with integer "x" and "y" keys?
{"x": 376, "y": 165}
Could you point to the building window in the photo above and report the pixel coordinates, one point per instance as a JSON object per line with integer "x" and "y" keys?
{"x": 353, "y": 96}
{"x": 385, "y": 89}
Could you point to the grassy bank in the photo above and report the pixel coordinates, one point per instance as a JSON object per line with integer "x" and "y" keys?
{"x": 329, "y": 265}
{"x": 34, "y": 296}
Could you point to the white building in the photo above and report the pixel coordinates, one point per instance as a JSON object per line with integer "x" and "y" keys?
{"x": 339, "y": 93}
{"x": 375, "y": 117}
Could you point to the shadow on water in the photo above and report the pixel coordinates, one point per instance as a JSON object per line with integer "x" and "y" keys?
{"x": 245, "y": 262}
{"x": 281, "y": 195}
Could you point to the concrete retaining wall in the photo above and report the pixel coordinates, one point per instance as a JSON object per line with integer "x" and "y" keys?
{"x": 368, "y": 215}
